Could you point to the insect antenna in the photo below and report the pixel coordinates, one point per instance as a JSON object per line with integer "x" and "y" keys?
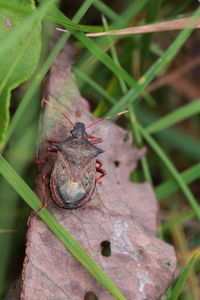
{"x": 106, "y": 118}
{"x": 57, "y": 109}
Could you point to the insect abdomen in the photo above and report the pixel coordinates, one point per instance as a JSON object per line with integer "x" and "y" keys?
{"x": 69, "y": 195}
{"x": 69, "y": 192}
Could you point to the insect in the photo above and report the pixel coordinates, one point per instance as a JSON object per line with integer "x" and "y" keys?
{"x": 73, "y": 176}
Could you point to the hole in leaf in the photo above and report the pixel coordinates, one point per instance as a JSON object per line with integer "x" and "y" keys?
{"x": 141, "y": 249}
{"x": 116, "y": 163}
{"x": 105, "y": 248}
{"x": 168, "y": 263}
{"x": 90, "y": 296}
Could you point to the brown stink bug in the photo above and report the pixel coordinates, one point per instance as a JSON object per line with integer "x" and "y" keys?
{"x": 72, "y": 178}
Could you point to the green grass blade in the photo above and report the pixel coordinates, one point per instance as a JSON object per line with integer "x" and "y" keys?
{"x": 121, "y": 20}
{"x": 56, "y": 17}
{"x": 180, "y": 8}
{"x": 20, "y": 153}
{"x": 151, "y": 15}
{"x": 68, "y": 241}
{"x": 176, "y": 291}
{"x": 114, "y": 55}
{"x": 176, "y": 116}
{"x": 94, "y": 85}
{"x": 181, "y": 141}
{"x": 82, "y": 10}
{"x": 106, "y": 10}
{"x": 7, "y": 230}
{"x": 157, "y": 67}
{"x": 171, "y": 168}
{"x": 88, "y": 62}
{"x": 103, "y": 57}
{"x": 139, "y": 144}
{"x": 133, "y": 9}
{"x": 178, "y": 220}
{"x": 167, "y": 188}
{"x": 174, "y": 138}
{"x": 138, "y": 139}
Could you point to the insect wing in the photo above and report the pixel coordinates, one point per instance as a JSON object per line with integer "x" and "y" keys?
{"x": 73, "y": 176}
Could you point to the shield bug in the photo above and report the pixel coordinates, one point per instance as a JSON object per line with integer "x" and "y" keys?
{"x": 73, "y": 175}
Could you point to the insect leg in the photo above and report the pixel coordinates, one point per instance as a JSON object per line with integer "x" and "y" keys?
{"x": 54, "y": 141}
{"x": 44, "y": 197}
{"x": 99, "y": 162}
{"x": 47, "y": 151}
{"x": 46, "y": 155}
{"x": 100, "y": 170}
{"x": 94, "y": 139}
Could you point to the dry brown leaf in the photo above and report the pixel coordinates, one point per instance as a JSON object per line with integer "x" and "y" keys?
{"x": 121, "y": 213}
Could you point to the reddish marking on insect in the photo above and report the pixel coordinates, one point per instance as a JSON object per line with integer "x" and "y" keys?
{"x": 72, "y": 178}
